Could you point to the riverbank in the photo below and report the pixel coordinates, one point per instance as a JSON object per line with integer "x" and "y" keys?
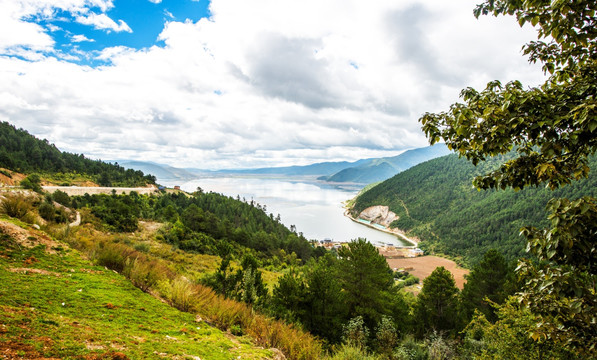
{"x": 397, "y": 232}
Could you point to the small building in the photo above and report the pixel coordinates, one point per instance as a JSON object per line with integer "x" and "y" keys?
{"x": 176, "y": 187}
{"x": 418, "y": 252}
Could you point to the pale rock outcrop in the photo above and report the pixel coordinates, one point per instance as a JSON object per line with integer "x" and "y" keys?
{"x": 378, "y": 215}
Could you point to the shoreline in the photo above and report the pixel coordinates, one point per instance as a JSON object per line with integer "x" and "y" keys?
{"x": 395, "y": 232}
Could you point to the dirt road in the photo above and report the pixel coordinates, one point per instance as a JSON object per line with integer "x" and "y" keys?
{"x": 91, "y": 190}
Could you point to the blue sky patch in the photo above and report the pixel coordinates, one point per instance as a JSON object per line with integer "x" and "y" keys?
{"x": 130, "y": 23}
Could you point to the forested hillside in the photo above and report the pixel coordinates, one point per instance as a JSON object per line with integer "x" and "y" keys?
{"x": 437, "y": 202}
{"x": 207, "y": 223}
{"x": 22, "y": 152}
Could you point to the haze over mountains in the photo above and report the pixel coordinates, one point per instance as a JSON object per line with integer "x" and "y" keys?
{"x": 362, "y": 171}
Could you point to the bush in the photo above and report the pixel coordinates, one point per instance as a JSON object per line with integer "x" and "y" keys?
{"x": 386, "y": 336}
{"x": 355, "y": 333}
{"x": 32, "y": 182}
{"x": 113, "y": 256}
{"x": 348, "y": 352}
{"x": 440, "y": 348}
{"x": 410, "y": 349}
{"x": 142, "y": 247}
{"x": 47, "y": 211}
{"x": 61, "y": 198}
{"x": 61, "y": 216}
{"x": 15, "y": 205}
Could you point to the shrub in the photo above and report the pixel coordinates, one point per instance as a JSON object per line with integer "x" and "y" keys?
{"x": 440, "y": 348}
{"x": 47, "y": 211}
{"x": 355, "y": 333}
{"x": 61, "y": 216}
{"x": 386, "y": 336}
{"x": 32, "y": 182}
{"x": 61, "y": 198}
{"x": 348, "y": 352}
{"x": 142, "y": 247}
{"x": 15, "y": 205}
{"x": 113, "y": 256}
{"x": 410, "y": 349}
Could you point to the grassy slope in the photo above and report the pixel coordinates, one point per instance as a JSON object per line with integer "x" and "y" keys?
{"x": 72, "y": 309}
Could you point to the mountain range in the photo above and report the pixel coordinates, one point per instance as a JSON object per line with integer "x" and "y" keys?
{"x": 362, "y": 171}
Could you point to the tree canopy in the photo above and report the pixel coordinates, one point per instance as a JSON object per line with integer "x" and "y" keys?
{"x": 553, "y": 130}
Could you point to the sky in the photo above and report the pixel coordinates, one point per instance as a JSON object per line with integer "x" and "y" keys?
{"x": 243, "y": 84}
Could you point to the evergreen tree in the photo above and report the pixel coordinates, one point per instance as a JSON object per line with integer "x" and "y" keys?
{"x": 436, "y": 305}
{"x": 289, "y": 297}
{"x": 325, "y": 309}
{"x": 485, "y": 285}
{"x": 366, "y": 279}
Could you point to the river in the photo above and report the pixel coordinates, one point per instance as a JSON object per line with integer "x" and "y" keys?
{"x": 314, "y": 207}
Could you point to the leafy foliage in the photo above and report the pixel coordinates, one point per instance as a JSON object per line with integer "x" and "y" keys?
{"x": 553, "y": 130}
{"x": 562, "y": 289}
{"x": 32, "y": 182}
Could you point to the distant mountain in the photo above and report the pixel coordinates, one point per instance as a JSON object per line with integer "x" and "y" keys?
{"x": 168, "y": 173}
{"x": 375, "y": 170}
{"x": 160, "y": 171}
{"x": 436, "y": 202}
{"x": 361, "y": 171}
{"x": 324, "y": 168}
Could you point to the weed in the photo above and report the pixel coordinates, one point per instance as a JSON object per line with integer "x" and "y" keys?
{"x": 144, "y": 274}
{"x": 142, "y": 247}
{"x": 179, "y": 292}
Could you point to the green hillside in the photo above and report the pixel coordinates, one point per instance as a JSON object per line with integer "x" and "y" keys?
{"x": 22, "y": 152}
{"x": 437, "y": 203}
{"x": 55, "y": 304}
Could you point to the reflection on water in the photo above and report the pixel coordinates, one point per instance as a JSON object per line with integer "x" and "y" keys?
{"x": 315, "y": 208}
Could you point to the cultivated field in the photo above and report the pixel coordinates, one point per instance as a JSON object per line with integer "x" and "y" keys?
{"x": 423, "y": 266}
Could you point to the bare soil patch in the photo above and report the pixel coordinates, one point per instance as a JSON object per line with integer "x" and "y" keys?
{"x": 29, "y": 238}
{"x": 33, "y": 271}
{"x": 14, "y": 178}
{"x": 423, "y": 266}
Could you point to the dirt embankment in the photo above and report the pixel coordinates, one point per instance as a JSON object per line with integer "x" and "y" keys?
{"x": 423, "y": 266}
{"x": 29, "y": 237}
{"x": 378, "y": 215}
{"x": 11, "y": 180}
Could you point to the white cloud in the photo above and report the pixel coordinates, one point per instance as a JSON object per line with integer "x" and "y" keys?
{"x": 80, "y": 38}
{"x": 266, "y": 82}
{"x": 103, "y": 22}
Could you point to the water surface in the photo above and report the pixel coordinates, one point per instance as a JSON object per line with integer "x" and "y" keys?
{"x": 314, "y": 207}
